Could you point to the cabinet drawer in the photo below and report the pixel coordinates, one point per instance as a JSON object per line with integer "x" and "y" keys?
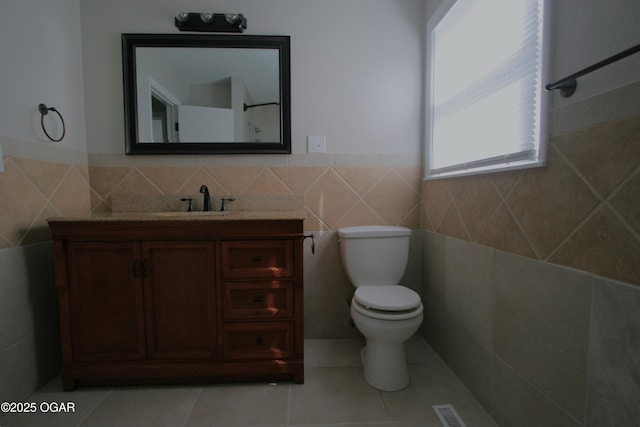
{"x": 265, "y": 299}
{"x": 269, "y": 340}
{"x": 257, "y": 258}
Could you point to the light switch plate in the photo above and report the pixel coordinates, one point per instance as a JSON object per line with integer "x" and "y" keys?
{"x": 316, "y": 144}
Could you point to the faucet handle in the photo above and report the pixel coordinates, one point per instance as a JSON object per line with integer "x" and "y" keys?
{"x": 190, "y": 200}
{"x": 227, "y": 199}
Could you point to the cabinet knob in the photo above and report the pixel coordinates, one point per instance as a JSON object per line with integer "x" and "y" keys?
{"x": 135, "y": 269}
{"x": 259, "y": 340}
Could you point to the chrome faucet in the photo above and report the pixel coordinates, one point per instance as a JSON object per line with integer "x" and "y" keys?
{"x": 207, "y": 199}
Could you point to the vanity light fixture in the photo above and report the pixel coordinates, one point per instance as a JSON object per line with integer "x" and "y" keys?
{"x": 211, "y": 22}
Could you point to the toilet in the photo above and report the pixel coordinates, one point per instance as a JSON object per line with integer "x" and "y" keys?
{"x": 385, "y": 312}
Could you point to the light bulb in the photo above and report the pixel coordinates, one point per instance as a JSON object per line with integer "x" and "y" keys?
{"x": 182, "y": 16}
{"x": 206, "y": 17}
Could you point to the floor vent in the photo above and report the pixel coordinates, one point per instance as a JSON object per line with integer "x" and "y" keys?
{"x": 448, "y": 416}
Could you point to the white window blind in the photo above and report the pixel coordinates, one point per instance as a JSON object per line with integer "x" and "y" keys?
{"x": 487, "y": 109}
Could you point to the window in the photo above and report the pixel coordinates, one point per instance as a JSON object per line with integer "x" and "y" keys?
{"x": 487, "y": 106}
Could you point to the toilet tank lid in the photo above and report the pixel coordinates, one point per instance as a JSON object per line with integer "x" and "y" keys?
{"x": 362, "y": 231}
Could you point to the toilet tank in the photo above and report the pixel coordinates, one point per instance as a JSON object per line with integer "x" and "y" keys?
{"x": 374, "y": 254}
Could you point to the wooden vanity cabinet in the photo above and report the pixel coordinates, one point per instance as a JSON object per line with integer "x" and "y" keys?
{"x": 173, "y": 301}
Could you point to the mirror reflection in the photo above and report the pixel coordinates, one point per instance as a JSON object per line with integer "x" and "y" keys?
{"x": 206, "y": 93}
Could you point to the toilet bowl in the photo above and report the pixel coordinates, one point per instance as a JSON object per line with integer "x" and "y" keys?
{"x": 385, "y": 331}
{"x": 386, "y": 313}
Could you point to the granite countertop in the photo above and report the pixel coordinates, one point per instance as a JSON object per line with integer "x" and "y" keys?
{"x": 186, "y": 216}
{"x": 171, "y": 208}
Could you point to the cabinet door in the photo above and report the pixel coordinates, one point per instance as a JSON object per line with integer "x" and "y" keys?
{"x": 106, "y": 307}
{"x": 180, "y": 300}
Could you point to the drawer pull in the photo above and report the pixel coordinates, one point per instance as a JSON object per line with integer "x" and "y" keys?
{"x": 259, "y": 341}
{"x": 256, "y": 259}
{"x": 258, "y": 299}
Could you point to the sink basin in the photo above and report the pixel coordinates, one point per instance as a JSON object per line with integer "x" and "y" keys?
{"x": 191, "y": 214}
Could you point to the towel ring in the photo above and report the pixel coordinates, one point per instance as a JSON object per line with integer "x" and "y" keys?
{"x": 44, "y": 110}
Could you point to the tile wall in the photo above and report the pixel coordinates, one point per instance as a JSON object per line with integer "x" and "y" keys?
{"x": 532, "y": 279}
{"x": 33, "y": 190}
{"x": 29, "y": 337}
{"x": 581, "y": 211}
{"x": 334, "y": 196}
{"x": 30, "y": 191}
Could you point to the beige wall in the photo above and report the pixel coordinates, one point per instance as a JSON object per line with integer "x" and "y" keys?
{"x": 356, "y": 68}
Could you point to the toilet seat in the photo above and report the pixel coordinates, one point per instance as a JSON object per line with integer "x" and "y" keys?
{"x": 387, "y": 298}
{"x": 387, "y": 302}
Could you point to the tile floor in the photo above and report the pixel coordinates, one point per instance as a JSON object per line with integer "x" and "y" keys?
{"x": 334, "y": 394}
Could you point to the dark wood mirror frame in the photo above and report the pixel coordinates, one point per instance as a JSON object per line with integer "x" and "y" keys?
{"x": 132, "y": 41}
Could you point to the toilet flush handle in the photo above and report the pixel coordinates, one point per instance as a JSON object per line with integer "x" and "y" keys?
{"x": 313, "y": 242}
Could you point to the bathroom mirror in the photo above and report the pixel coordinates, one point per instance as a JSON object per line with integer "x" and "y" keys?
{"x": 208, "y": 94}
